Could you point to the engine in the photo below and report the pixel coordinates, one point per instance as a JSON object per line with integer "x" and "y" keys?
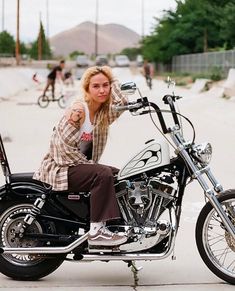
{"x": 142, "y": 202}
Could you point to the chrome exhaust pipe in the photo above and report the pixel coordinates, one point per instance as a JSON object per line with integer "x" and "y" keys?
{"x": 126, "y": 257}
{"x": 46, "y": 250}
{"x": 90, "y": 257}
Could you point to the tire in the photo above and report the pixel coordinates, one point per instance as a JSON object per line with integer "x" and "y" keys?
{"x": 24, "y": 266}
{"x": 62, "y": 102}
{"x": 149, "y": 82}
{"x": 43, "y": 101}
{"x": 215, "y": 245}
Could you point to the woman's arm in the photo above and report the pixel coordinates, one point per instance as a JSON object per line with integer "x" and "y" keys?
{"x": 68, "y": 132}
{"x": 118, "y": 98}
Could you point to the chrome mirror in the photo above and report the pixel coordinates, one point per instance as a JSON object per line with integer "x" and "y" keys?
{"x": 128, "y": 88}
{"x": 170, "y": 82}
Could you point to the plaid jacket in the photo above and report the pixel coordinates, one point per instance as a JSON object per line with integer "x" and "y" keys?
{"x": 64, "y": 147}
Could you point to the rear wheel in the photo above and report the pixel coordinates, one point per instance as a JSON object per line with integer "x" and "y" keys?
{"x": 215, "y": 244}
{"x": 43, "y": 101}
{"x": 24, "y": 266}
{"x": 62, "y": 102}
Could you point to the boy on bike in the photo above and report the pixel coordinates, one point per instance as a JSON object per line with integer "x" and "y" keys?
{"x": 56, "y": 73}
{"x": 148, "y": 73}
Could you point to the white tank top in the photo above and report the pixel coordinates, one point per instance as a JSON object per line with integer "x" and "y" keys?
{"x": 86, "y": 135}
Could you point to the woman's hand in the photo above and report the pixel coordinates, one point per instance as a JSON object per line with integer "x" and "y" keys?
{"x": 75, "y": 115}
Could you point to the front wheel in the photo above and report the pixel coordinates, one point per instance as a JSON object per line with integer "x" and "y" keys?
{"x": 215, "y": 245}
{"x": 62, "y": 102}
{"x": 24, "y": 266}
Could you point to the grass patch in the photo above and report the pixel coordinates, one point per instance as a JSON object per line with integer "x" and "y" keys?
{"x": 186, "y": 78}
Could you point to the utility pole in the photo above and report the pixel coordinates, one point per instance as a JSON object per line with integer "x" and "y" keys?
{"x": 17, "y": 47}
{"x": 3, "y": 15}
{"x": 96, "y": 27}
{"x": 47, "y": 10}
{"x": 142, "y": 17}
{"x": 47, "y": 33}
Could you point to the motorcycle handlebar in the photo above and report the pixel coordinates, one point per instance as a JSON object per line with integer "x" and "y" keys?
{"x": 141, "y": 103}
{"x": 130, "y": 106}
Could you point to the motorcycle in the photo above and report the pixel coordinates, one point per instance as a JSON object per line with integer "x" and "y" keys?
{"x": 40, "y": 228}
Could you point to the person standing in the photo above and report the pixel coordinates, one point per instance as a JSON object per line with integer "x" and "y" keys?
{"x": 56, "y": 73}
{"x": 148, "y": 72}
{"x": 77, "y": 143}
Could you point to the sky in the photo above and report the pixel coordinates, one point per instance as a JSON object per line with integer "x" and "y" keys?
{"x": 61, "y": 15}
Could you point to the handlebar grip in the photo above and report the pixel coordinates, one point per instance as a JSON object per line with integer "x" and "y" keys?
{"x": 127, "y": 107}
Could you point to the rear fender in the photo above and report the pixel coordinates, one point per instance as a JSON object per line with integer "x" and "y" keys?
{"x": 22, "y": 191}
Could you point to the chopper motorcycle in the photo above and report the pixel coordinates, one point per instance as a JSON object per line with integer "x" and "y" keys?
{"x": 40, "y": 228}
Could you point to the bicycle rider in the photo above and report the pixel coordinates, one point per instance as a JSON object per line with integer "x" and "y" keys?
{"x": 56, "y": 73}
{"x": 148, "y": 73}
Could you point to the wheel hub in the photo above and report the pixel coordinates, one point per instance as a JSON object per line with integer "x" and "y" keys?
{"x": 230, "y": 241}
{"x": 12, "y": 237}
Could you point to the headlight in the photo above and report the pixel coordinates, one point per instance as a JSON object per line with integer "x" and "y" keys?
{"x": 203, "y": 153}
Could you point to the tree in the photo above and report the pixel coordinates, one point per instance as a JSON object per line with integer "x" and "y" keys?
{"x": 23, "y": 48}
{"x": 74, "y": 54}
{"x": 131, "y": 52}
{"x": 40, "y": 48}
{"x": 228, "y": 24}
{"x": 195, "y": 26}
{"x": 7, "y": 43}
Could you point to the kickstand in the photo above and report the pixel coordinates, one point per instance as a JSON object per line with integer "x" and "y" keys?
{"x": 135, "y": 271}
{"x": 133, "y": 266}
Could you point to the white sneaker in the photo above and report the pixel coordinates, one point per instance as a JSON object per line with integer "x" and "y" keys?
{"x": 104, "y": 237}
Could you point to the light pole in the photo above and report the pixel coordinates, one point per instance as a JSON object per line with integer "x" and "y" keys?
{"x": 142, "y": 17}
{"x": 17, "y": 47}
{"x": 47, "y": 11}
{"x": 3, "y": 14}
{"x": 47, "y": 15}
{"x": 96, "y": 27}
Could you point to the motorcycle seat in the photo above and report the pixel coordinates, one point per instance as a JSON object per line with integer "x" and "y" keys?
{"x": 26, "y": 178}
{"x": 20, "y": 177}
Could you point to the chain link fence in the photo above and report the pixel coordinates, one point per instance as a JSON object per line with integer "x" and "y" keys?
{"x": 204, "y": 62}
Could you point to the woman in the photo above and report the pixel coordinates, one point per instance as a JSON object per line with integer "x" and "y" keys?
{"x": 77, "y": 143}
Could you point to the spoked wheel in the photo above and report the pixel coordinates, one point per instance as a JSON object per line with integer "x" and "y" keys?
{"x": 43, "y": 101}
{"x": 62, "y": 102}
{"x": 215, "y": 244}
{"x": 24, "y": 266}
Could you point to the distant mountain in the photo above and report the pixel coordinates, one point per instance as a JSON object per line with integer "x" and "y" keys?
{"x": 112, "y": 38}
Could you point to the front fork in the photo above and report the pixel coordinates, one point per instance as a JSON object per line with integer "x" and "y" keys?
{"x": 210, "y": 193}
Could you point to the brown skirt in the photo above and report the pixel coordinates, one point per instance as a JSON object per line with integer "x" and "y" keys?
{"x": 97, "y": 179}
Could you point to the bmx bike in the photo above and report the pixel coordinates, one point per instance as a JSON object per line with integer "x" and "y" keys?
{"x": 44, "y": 100}
{"x": 149, "y": 81}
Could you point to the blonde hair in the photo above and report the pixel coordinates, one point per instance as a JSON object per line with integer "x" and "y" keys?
{"x": 102, "y": 118}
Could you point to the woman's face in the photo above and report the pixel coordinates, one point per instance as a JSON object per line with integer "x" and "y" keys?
{"x": 99, "y": 88}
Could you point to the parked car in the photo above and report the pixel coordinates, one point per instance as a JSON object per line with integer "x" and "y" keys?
{"x": 139, "y": 60}
{"x": 82, "y": 61}
{"x": 122, "y": 61}
{"x": 101, "y": 60}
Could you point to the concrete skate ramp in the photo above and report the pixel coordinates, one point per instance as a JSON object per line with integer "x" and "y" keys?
{"x": 14, "y": 80}
{"x": 200, "y": 85}
{"x": 229, "y": 85}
